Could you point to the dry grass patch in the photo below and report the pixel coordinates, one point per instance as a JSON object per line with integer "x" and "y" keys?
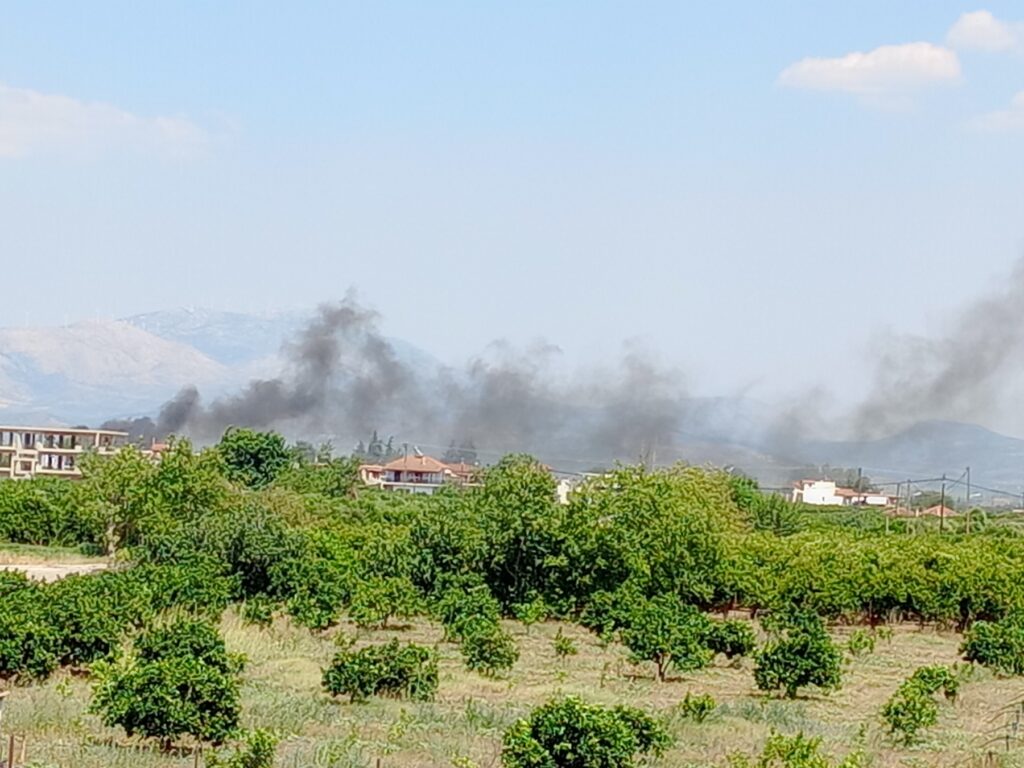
{"x": 463, "y": 726}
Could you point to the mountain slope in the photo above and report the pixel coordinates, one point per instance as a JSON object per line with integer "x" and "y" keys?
{"x": 90, "y": 370}
{"x": 929, "y": 449}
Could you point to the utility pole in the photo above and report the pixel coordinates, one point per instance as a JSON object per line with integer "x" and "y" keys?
{"x": 970, "y": 504}
{"x": 910, "y": 501}
{"x": 942, "y": 505}
{"x": 899, "y": 487}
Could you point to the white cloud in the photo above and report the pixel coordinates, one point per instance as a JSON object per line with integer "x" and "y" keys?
{"x": 886, "y": 69}
{"x": 32, "y": 122}
{"x": 1004, "y": 120}
{"x": 980, "y": 30}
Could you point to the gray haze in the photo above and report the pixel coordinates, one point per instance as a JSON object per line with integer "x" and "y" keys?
{"x": 343, "y": 379}
{"x": 961, "y": 374}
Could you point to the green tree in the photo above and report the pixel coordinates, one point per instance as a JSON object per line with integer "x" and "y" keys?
{"x": 731, "y": 638}
{"x": 408, "y": 671}
{"x": 179, "y": 680}
{"x": 569, "y": 733}
{"x": 29, "y": 643}
{"x": 664, "y": 532}
{"x": 253, "y": 459}
{"x": 517, "y": 512}
{"x": 800, "y": 654}
{"x": 116, "y": 492}
{"x": 333, "y": 478}
{"x": 377, "y": 600}
{"x": 488, "y": 649}
{"x": 668, "y": 633}
{"x": 997, "y": 644}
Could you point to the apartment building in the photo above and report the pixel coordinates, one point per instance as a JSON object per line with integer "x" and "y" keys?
{"x": 55, "y": 451}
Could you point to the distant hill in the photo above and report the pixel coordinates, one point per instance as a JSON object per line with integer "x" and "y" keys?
{"x": 230, "y": 338}
{"x": 85, "y": 372}
{"x": 91, "y": 371}
{"x": 929, "y": 449}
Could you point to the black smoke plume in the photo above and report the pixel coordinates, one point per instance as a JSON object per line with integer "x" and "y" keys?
{"x": 343, "y": 379}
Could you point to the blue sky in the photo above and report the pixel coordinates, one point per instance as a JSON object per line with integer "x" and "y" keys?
{"x": 722, "y": 181}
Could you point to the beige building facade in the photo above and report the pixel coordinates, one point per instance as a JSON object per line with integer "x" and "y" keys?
{"x": 52, "y": 451}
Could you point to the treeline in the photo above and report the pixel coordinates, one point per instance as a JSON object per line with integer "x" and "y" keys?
{"x": 640, "y": 557}
{"x": 252, "y": 521}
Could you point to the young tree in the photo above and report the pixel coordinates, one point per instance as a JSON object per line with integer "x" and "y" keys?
{"x": 393, "y": 670}
{"x": 517, "y": 512}
{"x": 668, "y": 633}
{"x": 568, "y": 733}
{"x": 180, "y": 680}
{"x": 253, "y": 459}
{"x": 801, "y": 654}
{"x": 913, "y": 706}
{"x": 489, "y": 650}
{"x": 377, "y": 600}
{"x": 732, "y": 639}
{"x": 997, "y": 644}
{"x": 116, "y": 492}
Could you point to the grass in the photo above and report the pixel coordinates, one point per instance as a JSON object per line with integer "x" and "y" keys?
{"x": 463, "y": 726}
{"x": 17, "y": 554}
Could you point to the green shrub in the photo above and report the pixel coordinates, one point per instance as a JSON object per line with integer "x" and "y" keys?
{"x": 668, "y": 633}
{"x": 200, "y": 587}
{"x": 997, "y": 644}
{"x": 569, "y": 733}
{"x": 30, "y": 645}
{"x": 697, "y": 708}
{"x": 564, "y": 645}
{"x": 801, "y": 654}
{"x": 489, "y": 650}
{"x": 465, "y": 609}
{"x": 796, "y": 751}
{"x": 860, "y": 643}
{"x": 913, "y": 707}
{"x": 91, "y": 613}
{"x": 532, "y": 612}
{"x": 256, "y": 751}
{"x": 604, "y": 613}
{"x": 44, "y": 510}
{"x": 258, "y": 610}
{"x": 731, "y": 638}
{"x": 908, "y": 711}
{"x": 179, "y": 680}
{"x": 392, "y": 670}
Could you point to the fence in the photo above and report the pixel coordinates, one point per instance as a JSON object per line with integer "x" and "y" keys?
{"x": 9, "y": 759}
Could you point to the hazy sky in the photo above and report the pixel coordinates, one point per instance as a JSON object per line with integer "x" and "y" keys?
{"x": 755, "y": 190}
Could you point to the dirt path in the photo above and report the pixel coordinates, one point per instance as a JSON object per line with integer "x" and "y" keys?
{"x": 52, "y": 571}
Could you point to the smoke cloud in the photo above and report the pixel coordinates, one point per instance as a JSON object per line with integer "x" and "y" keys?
{"x": 343, "y": 379}
{"x": 958, "y": 375}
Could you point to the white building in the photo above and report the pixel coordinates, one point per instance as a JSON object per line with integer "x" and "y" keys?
{"x": 825, "y": 493}
{"x": 820, "y": 493}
